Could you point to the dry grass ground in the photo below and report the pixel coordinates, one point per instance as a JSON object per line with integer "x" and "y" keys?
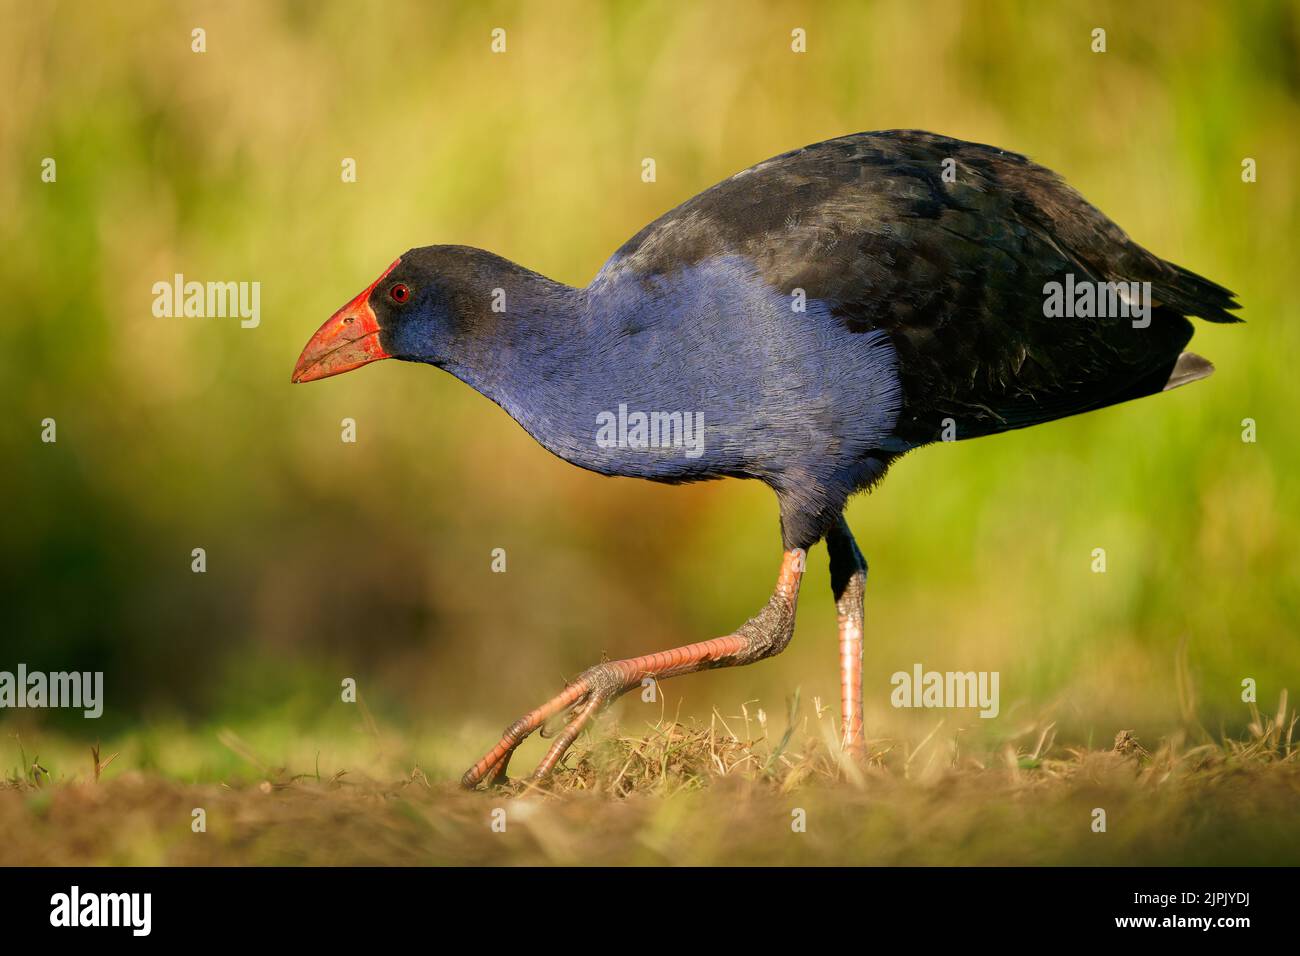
{"x": 723, "y": 793}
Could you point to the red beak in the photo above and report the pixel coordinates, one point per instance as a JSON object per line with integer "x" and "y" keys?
{"x": 349, "y": 339}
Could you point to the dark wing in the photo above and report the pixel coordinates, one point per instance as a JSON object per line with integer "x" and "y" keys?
{"x": 953, "y": 271}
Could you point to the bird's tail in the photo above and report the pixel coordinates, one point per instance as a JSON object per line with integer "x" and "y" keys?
{"x": 1192, "y": 294}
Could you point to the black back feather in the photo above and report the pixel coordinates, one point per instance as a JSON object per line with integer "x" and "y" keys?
{"x": 954, "y": 272}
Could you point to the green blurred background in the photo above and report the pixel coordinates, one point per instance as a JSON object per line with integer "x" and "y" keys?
{"x": 372, "y": 560}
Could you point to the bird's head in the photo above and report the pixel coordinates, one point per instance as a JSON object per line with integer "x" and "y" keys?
{"x": 417, "y": 310}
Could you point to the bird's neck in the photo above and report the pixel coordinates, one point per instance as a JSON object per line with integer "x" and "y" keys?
{"x": 617, "y": 378}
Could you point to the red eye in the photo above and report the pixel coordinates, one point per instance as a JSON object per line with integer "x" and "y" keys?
{"x": 399, "y": 293}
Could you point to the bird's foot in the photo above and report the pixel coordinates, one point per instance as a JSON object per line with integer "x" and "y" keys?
{"x": 586, "y": 696}
{"x": 854, "y": 748}
{"x": 761, "y": 636}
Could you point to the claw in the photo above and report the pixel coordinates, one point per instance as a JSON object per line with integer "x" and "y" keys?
{"x": 552, "y": 725}
{"x": 570, "y": 734}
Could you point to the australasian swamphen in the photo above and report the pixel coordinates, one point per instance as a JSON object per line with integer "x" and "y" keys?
{"x": 819, "y": 314}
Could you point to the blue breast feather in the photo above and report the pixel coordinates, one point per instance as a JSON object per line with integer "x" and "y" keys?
{"x": 791, "y": 398}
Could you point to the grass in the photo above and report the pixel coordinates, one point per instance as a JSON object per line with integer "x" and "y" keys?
{"x": 731, "y": 791}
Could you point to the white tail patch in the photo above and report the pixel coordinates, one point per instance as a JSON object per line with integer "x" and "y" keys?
{"x": 1190, "y": 367}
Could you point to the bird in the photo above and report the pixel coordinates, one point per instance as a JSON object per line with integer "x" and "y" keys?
{"x": 803, "y": 323}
